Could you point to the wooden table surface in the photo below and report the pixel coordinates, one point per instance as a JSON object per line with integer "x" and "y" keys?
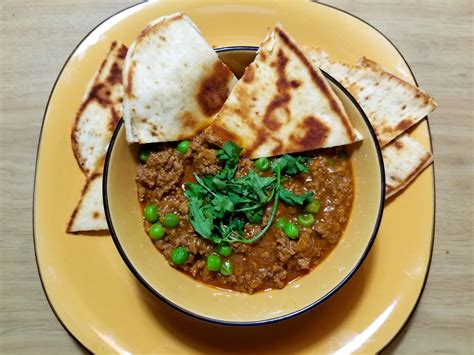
{"x": 436, "y": 38}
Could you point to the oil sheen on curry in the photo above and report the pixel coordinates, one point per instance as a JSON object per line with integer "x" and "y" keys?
{"x": 240, "y": 224}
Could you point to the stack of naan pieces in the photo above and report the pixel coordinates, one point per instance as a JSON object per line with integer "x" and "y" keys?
{"x": 168, "y": 86}
{"x": 392, "y": 106}
{"x": 96, "y": 119}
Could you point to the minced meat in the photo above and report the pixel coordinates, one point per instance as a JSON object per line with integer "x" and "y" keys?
{"x": 274, "y": 259}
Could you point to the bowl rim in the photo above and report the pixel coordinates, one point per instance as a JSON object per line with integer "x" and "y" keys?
{"x": 290, "y": 315}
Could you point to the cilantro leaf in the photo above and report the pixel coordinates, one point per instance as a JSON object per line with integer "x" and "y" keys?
{"x": 292, "y": 165}
{"x": 221, "y": 205}
{"x": 255, "y": 217}
{"x": 194, "y": 190}
{"x": 229, "y": 154}
{"x": 293, "y": 199}
{"x": 201, "y": 223}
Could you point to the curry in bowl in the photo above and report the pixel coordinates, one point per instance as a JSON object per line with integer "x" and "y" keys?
{"x": 240, "y": 224}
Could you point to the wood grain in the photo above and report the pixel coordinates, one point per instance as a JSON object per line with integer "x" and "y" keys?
{"x": 436, "y": 38}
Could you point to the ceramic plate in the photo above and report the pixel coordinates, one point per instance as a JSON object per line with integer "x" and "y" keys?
{"x": 106, "y": 309}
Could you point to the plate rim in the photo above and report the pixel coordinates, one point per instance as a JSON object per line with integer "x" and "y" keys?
{"x": 73, "y": 51}
{"x": 268, "y": 321}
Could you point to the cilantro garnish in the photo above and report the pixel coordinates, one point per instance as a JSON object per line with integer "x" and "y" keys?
{"x": 221, "y": 205}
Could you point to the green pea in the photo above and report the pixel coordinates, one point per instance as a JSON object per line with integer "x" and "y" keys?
{"x": 224, "y": 249}
{"x": 306, "y": 220}
{"x": 179, "y": 255}
{"x": 213, "y": 262}
{"x": 291, "y": 230}
{"x": 332, "y": 162}
{"x": 281, "y": 223}
{"x": 151, "y": 213}
{"x": 156, "y": 231}
{"x": 170, "y": 220}
{"x": 226, "y": 268}
{"x": 262, "y": 164}
{"x": 313, "y": 206}
{"x": 144, "y": 154}
{"x": 183, "y": 147}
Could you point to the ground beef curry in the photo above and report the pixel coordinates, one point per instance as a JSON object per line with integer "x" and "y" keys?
{"x": 290, "y": 237}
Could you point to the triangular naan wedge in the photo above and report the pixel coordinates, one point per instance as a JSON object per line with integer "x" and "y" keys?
{"x": 89, "y": 213}
{"x": 100, "y": 111}
{"x": 391, "y": 104}
{"x": 174, "y": 82}
{"x": 404, "y": 159}
{"x": 282, "y": 104}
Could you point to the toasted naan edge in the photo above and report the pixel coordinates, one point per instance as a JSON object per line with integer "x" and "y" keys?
{"x": 282, "y": 104}
{"x": 100, "y": 111}
{"x": 89, "y": 213}
{"x": 339, "y": 71}
{"x": 404, "y": 159}
{"x": 174, "y": 82}
{"x": 391, "y": 104}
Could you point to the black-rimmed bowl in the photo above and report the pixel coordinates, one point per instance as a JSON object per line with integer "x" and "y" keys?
{"x": 196, "y": 299}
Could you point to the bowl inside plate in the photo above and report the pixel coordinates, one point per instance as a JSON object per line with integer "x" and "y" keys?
{"x": 199, "y": 300}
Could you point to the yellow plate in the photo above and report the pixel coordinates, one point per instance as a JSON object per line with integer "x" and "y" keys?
{"x": 106, "y": 309}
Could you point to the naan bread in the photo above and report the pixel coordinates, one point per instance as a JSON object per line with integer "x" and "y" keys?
{"x": 391, "y": 104}
{"x": 100, "y": 111}
{"x": 282, "y": 104}
{"x": 89, "y": 213}
{"x": 174, "y": 82}
{"x": 404, "y": 159}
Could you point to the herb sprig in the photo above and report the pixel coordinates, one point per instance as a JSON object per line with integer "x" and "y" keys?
{"x": 221, "y": 205}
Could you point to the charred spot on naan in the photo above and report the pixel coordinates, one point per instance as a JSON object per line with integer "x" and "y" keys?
{"x": 315, "y": 133}
{"x": 281, "y": 99}
{"x": 220, "y": 135}
{"x": 154, "y": 130}
{"x": 189, "y": 120}
{"x": 398, "y": 145}
{"x": 214, "y": 89}
{"x": 249, "y": 74}
{"x": 115, "y": 75}
{"x": 403, "y": 125}
{"x": 295, "y": 84}
{"x": 260, "y": 138}
{"x": 190, "y": 125}
{"x": 114, "y": 121}
{"x": 99, "y": 93}
{"x": 130, "y": 75}
{"x": 122, "y": 53}
{"x": 271, "y": 120}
